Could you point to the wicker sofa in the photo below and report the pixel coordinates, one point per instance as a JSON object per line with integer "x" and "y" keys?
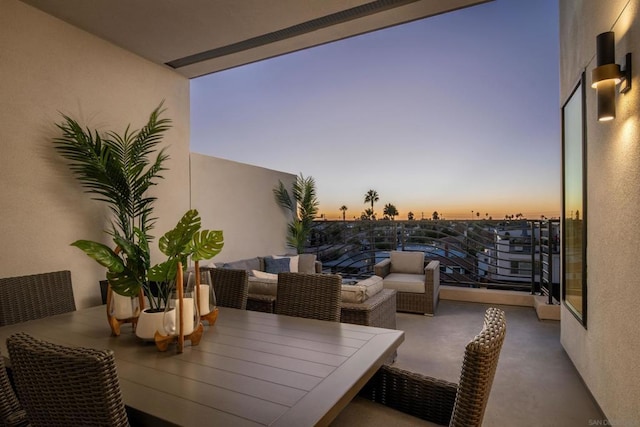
{"x": 418, "y": 286}
{"x": 364, "y": 303}
{"x": 360, "y": 305}
{"x": 262, "y": 282}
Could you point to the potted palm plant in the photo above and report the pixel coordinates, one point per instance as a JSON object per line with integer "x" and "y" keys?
{"x": 303, "y": 207}
{"x": 118, "y": 169}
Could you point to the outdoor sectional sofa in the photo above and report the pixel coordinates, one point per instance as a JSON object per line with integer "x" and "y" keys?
{"x": 363, "y": 303}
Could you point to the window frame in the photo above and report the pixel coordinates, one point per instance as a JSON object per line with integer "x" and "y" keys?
{"x": 580, "y": 313}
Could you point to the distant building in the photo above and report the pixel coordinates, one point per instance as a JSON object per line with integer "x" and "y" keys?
{"x": 515, "y": 252}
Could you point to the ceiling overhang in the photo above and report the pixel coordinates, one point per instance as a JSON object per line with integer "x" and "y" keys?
{"x": 198, "y": 37}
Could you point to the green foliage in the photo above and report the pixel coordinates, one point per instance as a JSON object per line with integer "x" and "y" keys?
{"x": 303, "y": 207}
{"x": 205, "y": 244}
{"x": 128, "y": 269}
{"x": 117, "y": 169}
{"x": 178, "y": 244}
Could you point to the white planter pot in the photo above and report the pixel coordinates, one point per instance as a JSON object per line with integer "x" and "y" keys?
{"x": 149, "y": 323}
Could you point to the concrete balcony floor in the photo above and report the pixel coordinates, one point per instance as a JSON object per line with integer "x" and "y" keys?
{"x": 535, "y": 384}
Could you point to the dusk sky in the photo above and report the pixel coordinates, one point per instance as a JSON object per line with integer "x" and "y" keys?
{"x": 453, "y": 113}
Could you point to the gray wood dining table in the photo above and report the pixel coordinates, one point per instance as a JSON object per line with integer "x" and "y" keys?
{"x": 249, "y": 369}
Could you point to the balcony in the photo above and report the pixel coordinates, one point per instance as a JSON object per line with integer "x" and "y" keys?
{"x": 535, "y": 383}
{"x": 504, "y": 263}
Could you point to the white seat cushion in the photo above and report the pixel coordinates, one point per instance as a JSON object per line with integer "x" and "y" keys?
{"x": 402, "y": 282}
{"x": 263, "y": 286}
{"x": 357, "y": 293}
{"x": 362, "y": 290}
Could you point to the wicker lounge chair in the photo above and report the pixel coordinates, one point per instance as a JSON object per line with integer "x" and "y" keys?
{"x": 311, "y": 295}
{"x": 35, "y": 296}
{"x": 418, "y": 286}
{"x": 443, "y": 402}
{"x": 66, "y": 386}
{"x": 11, "y": 412}
{"x": 231, "y": 286}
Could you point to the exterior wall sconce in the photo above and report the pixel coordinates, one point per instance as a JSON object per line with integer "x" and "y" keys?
{"x": 607, "y": 75}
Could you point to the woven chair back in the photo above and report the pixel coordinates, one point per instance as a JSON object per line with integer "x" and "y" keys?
{"x": 478, "y": 370}
{"x": 11, "y": 412}
{"x": 310, "y": 295}
{"x": 35, "y": 296}
{"x": 231, "y": 287}
{"x": 66, "y": 386}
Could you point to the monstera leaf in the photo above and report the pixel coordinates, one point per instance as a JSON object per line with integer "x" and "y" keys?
{"x": 174, "y": 242}
{"x": 165, "y": 272}
{"x": 103, "y": 254}
{"x": 205, "y": 244}
{"x": 126, "y": 276}
{"x": 128, "y": 267}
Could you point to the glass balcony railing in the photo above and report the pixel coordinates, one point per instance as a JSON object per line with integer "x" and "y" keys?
{"x": 520, "y": 255}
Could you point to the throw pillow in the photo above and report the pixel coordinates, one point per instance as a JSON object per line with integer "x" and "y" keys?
{"x": 276, "y": 265}
{"x": 263, "y": 275}
{"x": 244, "y": 264}
{"x": 306, "y": 263}
{"x": 293, "y": 261}
{"x": 407, "y": 262}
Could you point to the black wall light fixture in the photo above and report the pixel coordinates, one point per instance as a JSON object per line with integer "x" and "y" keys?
{"x": 608, "y": 74}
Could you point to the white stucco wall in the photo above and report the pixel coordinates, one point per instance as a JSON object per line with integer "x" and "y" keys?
{"x": 238, "y": 199}
{"x": 606, "y": 353}
{"x": 48, "y": 67}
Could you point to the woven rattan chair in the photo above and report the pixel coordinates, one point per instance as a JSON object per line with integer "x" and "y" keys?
{"x": 11, "y": 412}
{"x": 311, "y": 295}
{"x": 66, "y": 386}
{"x": 443, "y": 402}
{"x": 33, "y": 297}
{"x": 231, "y": 287}
{"x": 418, "y": 286}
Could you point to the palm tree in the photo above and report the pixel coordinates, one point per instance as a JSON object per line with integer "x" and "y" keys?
{"x": 435, "y": 215}
{"x": 344, "y": 208}
{"x": 368, "y": 214}
{"x": 303, "y": 208}
{"x": 390, "y": 211}
{"x": 371, "y": 197}
{"x": 410, "y": 216}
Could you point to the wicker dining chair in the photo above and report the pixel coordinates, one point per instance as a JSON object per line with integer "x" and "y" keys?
{"x": 231, "y": 287}
{"x": 66, "y": 386}
{"x": 311, "y": 295}
{"x": 11, "y": 412}
{"x": 35, "y": 296}
{"x": 439, "y": 401}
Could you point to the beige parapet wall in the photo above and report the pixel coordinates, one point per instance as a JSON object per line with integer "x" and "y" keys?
{"x": 238, "y": 199}
{"x": 48, "y": 67}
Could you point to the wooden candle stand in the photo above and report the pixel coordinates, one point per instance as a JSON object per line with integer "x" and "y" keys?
{"x": 163, "y": 341}
{"x": 212, "y": 316}
{"x": 115, "y": 323}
